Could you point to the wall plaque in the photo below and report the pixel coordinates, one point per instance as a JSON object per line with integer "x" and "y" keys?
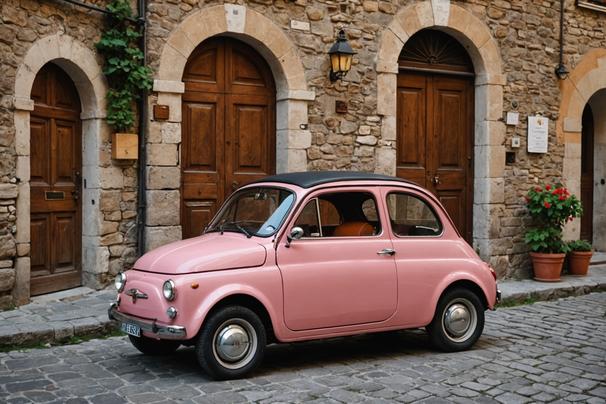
{"x": 538, "y": 134}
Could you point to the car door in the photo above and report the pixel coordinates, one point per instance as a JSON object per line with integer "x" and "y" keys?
{"x": 342, "y": 271}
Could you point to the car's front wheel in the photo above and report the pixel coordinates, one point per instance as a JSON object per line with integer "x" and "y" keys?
{"x": 232, "y": 343}
{"x": 150, "y": 346}
{"x": 458, "y": 321}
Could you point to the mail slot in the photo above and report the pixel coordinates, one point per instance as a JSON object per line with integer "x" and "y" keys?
{"x": 54, "y": 195}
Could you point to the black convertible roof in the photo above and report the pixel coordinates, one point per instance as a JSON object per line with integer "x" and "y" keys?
{"x": 309, "y": 179}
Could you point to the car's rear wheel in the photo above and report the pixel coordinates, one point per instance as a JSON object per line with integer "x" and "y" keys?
{"x": 232, "y": 343}
{"x": 150, "y": 346}
{"x": 458, "y": 321}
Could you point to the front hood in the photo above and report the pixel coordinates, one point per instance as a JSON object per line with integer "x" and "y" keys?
{"x": 209, "y": 252}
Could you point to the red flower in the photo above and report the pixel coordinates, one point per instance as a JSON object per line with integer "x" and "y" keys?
{"x": 538, "y": 189}
{"x": 547, "y": 187}
{"x": 547, "y": 204}
{"x": 562, "y": 198}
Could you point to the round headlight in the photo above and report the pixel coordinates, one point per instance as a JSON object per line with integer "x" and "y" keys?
{"x": 120, "y": 281}
{"x": 168, "y": 289}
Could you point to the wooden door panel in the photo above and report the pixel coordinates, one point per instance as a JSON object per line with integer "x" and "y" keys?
{"x": 64, "y": 243}
{"x": 40, "y": 143}
{"x": 40, "y": 236}
{"x": 55, "y": 224}
{"x": 197, "y": 214}
{"x": 63, "y": 156}
{"x": 202, "y": 122}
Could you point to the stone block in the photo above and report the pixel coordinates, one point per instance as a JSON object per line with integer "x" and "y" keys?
{"x": 111, "y": 177}
{"x": 162, "y": 155}
{"x": 159, "y": 236}
{"x": 291, "y": 114}
{"x": 8, "y": 191}
{"x": 174, "y": 104}
{"x": 163, "y": 177}
{"x": 489, "y": 133}
{"x": 489, "y": 102}
{"x": 171, "y": 132}
{"x": 235, "y": 17}
{"x": 7, "y": 279}
{"x": 367, "y": 140}
{"x": 387, "y": 56}
{"x": 163, "y": 208}
{"x": 110, "y": 201}
{"x": 489, "y": 190}
{"x": 23, "y": 249}
{"x": 22, "y": 133}
{"x": 293, "y": 139}
{"x": 386, "y": 94}
{"x": 171, "y": 65}
{"x": 95, "y": 260}
{"x": 8, "y": 247}
{"x": 111, "y": 239}
{"x": 388, "y": 128}
{"x": 6, "y": 264}
{"x": 23, "y": 217}
{"x": 21, "y": 290}
{"x": 489, "y": 161}
{"x": 385, "y": 161}
{"x": 441, "y": 12}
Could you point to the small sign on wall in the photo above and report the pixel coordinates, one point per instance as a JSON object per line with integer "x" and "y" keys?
{"x": 538, "y": 134}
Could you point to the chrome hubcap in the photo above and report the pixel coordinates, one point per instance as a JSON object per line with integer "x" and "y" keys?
{"x": 459, "y": 320}
{"x": 456, "y": 319}
{"x": 235, "y": 343}
{"x": 232, "y": 343}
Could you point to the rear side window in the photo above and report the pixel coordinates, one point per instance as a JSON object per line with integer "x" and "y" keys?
{"x": 412, "y": 216}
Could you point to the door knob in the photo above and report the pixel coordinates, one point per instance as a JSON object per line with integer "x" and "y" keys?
{"x": 436, "y": 179}
{"x": 234, "y": 185}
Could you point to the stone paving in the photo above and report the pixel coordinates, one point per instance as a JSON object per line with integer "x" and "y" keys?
{"x": 544, "y": 352}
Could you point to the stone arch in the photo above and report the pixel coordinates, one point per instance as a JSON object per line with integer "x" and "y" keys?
{"x": 585, "y": 80}
{"x": 292, "y": 94}
{"x": 483, "y": 49}
{"x": 80, "y": 63}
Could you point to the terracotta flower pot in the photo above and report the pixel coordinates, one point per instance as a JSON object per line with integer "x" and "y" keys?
{"x": 547, "y": 267}
{"x": 578, "y": 262}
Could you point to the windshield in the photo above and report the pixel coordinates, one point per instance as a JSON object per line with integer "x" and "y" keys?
{"x": 255, "y": 211}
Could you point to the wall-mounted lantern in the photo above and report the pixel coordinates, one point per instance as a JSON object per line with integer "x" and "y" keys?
{"x": 341, "y": 54}
{"x": 561, "y": 71}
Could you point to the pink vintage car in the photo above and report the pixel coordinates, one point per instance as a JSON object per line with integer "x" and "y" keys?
{"x": 303, "y": 256}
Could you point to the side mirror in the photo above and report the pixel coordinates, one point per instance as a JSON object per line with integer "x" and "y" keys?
{"x": 295, "y": 234}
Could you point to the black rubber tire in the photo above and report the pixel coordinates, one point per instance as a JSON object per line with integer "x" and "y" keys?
{"x": 438, "y": 335}
{"x": 209, "y": 359}
{"x": 154, "y": 347}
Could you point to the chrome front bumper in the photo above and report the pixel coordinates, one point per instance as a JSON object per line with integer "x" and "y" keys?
{"x": 148, "y": 326}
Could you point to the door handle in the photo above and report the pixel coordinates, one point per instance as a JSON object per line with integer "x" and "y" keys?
{"x": 387, "y": 251}
{"x": 436, "y": 179}
{"x": 234, "y": 185}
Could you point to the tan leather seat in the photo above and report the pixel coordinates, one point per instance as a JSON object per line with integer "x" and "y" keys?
{"x": 350, "y": 229}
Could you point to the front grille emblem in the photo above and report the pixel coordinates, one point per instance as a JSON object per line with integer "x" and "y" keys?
{"x": 136, "y": 294}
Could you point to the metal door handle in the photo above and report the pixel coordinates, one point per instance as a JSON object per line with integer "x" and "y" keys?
{"x": 386, "y": 251}
{"x": 436, "y": 179}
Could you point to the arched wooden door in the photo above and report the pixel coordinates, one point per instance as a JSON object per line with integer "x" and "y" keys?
{"x": 435, "y": 102}
{"x": 55, "y": 163}
{"x": 587, "y": 178}
{"x": 228, "y": 132}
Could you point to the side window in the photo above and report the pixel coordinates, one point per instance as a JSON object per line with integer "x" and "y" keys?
{"x": 411, "y": 216}
{"x": 344, "y": 214}
{"x": 308, "y": 219}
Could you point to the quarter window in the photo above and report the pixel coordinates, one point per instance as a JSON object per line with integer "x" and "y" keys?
{"x": 411, "y": 216}
{"x": 345, "y": 214}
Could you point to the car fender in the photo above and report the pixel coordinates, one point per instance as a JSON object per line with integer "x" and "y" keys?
{"x": 226, "y": 291}
{"x": 477, "y": 279}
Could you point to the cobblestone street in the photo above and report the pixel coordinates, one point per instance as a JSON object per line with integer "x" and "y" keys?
{"x": 541, "y": 352}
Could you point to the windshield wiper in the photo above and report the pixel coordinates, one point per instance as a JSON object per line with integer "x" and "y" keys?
{"x": 236, "y": 226}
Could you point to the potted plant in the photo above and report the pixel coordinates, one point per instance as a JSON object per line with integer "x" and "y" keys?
{"x": 579, "y": 257}
{"x": 126, "y": 75}
{"x": 550, "y": 207}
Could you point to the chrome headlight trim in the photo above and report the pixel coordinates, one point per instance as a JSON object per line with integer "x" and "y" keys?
{"x": 168, "y": 290}
{"x": 120, "y": 281}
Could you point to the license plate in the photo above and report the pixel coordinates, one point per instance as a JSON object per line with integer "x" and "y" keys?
{"x": 131, "y": 329}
